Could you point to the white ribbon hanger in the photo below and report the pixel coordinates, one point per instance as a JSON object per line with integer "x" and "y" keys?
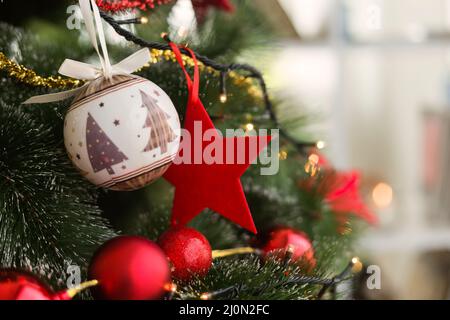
{"x": 83, "y": 71}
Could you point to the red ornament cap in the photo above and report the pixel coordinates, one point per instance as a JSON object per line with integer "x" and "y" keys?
{"x": 188, "y": 251}
{"x": 129, "y": 268}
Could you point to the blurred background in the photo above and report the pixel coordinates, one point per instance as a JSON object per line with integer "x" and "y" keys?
{"x": 377, "y": 73}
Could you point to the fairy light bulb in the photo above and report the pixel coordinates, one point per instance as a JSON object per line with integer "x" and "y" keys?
{"x": 357, "y": 265}
{"x": 320, "y": 144}
{"x": 249, "y": 126}
{"x": 205, "y": 296}
{"x": 223, "y": 98}
{"x": 312, "y": 165}
{"x": 170, "y": 287}
{"x": 223, "y": 87}
{"x": 282, "y": 155}
{"x": 144, "y": 20}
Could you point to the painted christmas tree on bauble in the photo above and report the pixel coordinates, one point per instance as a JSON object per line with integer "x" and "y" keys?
{"x": 122, "y": 133}
{"x": 161, "y": 133}
{"x": 103, "y": 153}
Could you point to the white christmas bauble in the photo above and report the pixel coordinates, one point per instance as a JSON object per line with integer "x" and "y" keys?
{"x": 122, "y": 133}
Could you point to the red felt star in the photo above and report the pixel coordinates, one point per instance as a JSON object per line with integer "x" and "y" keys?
{"x": 210, "y": 182}
{"x": 201, "y": 7}
{"x": 214, "y": 186}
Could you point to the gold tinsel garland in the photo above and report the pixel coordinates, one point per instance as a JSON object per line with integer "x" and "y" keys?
{"x": 29, "y": 77}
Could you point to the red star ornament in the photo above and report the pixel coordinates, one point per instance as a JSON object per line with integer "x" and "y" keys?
{"x": 200, "y": 184}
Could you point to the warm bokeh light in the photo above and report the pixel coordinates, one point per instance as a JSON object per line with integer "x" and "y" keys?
{"x": 357, "y": 265}
{"x": 314, "y": 158}
{"x": 170, "y": 287}
{"x": 320, "y": 144}
{"x": 282, "y": 155}
{"x": 223, "y": 98}
{"x": 312, "y": 165}
{"x": 204, "y": 296}
{"x": 249, "y": 127}
{"x": 382, "y": 195}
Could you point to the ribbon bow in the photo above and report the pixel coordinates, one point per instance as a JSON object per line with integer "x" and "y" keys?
{"x": 84, "y": 71}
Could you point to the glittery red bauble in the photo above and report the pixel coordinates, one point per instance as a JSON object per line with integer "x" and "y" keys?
{"x": 129, "y": 268}
{"x": 22, "y": 285}
{"x": 188, "y": 250}
{"x": 283, "y": 238}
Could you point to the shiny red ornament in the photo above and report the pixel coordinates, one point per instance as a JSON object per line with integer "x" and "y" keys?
{"x": 279, "y": 240}
{"x": 22, "y": 285}
{"x": 217, "y": 186}
{"x": 129, "y": 268}
{"x": 201, "y": 7}
{"x": 188, "y": 251}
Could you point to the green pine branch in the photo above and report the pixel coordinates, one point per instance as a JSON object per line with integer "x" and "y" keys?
{"x": 48, "y": 214}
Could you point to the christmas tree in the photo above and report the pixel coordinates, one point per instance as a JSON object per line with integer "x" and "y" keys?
{"x": 102, "y": 152}
{"x": 160, "y": 131}
{"x": 307, "y": 215}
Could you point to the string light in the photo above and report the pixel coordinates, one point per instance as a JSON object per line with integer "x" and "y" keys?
{"x": 312, "y": 165}
{"x": 282, "y": 155}
{"x": 29, "y": 77}
{"x": 140, "y": 20}
{"x": 223, "y": 98}
{"x": 357, "y": 265}
{"x": 354, "y": 266}
{"x": 164, "y": 35}
{"x": 249, "y": 127}
{"x": 253, "y": 77}
{"x": 170, "y": 287}
{"x": 205, "y": 296}
{"x": 223, "y": 88}
{"x": 320, "y": 144}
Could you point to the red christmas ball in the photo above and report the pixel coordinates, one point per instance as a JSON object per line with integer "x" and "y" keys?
{"x": 129, "y": 268}
{"x": 279, "y": 240}
{"x": 188, "y": 251}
